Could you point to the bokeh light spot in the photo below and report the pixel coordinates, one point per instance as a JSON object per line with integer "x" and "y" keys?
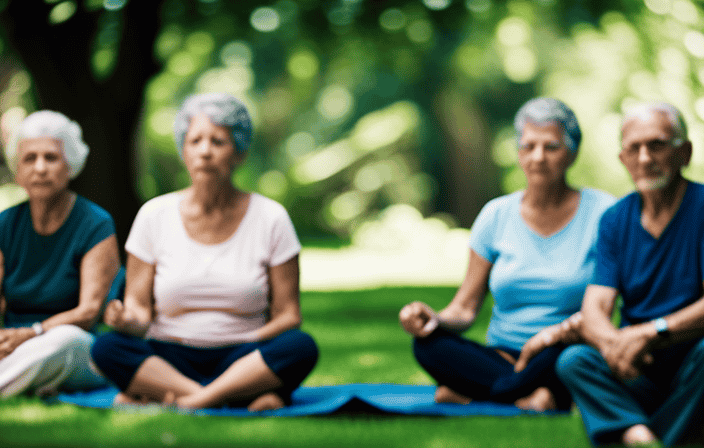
{"x": 694, "y": 42}
{"x": 200, "y": 42}
{"x": 659, "y": 6}
{"x": 478, "y": 6}
{"x": 513, "y": 31}
{"x": 273, "y": 184}
{"x": 62, "y": 12}
{"x": 437, "y": 5}
{"x": 520, "y": 64}
{"x": 168, "y": 42}
{"x": 20, "y": 83}
{"x": 236, "y": 53}
{"x": 182, "y": 64}
{"x": 335, "y": 102}
{"x": 685, "y": 11}
{"x": 324, "y": 163}
{"x": 162, "y": 120}
{"x": 103, "y": 61}
{"x": 299, "y": 144}
{"x": 347, "y": 206}
{"x": 393, "y": 19}
{"x": 673, "y": 61}
{"x": 265, "y": 19}
{"x": 114, "y": 5}
{"x": 303, "y": 64}
{"x": 419, "y": 31}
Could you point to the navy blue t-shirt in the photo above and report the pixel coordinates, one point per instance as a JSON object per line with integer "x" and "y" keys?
{"x": 42, "y": 273}
{"x": 655, "y": 277}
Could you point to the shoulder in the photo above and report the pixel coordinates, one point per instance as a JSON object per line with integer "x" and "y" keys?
{"x": 596, "y": 201}
{"x": 12, "y": 213}
{"x": 90, "y": 210}
{"x": 620, "y": 211}
{"x": 266, "y": 206}
{"x": 13, "y": 221}
{"x": 161, "y": 203}
{"x": 697, "y": 192}
{"x": 503, "y": 204}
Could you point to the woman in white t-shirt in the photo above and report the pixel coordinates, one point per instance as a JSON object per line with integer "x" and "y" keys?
{"x": 211, "y": 310}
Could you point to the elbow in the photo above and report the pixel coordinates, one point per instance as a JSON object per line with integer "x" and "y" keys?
{"x": 87, "y": 315}
{"x": 296, "y": 321}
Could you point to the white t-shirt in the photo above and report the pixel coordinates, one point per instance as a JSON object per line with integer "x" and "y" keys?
{"x": 195, "y": 282}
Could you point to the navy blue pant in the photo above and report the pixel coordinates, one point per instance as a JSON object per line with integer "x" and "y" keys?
{"x": 668, "y": 397}
{"x": 290, "y": 355}
{"x": 480, "y": 373}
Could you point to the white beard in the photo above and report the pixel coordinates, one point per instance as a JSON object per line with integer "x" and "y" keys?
{"x": 656, "y": 183}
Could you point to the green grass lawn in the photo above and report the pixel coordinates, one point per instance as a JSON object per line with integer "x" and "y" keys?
{"x": 360, "y": 341}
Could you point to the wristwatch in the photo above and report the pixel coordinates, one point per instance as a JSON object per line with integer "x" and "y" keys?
{"x": 37, "y": 327}
{"x": 661, "y": 327}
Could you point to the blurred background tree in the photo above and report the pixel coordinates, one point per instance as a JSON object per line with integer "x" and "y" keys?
{"x": 358, "y": 104}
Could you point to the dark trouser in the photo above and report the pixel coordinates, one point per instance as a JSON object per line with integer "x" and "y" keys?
{"x": 668, "y": 397}
{"x": 480, "y": 373}
{"x": 290, "y": 355}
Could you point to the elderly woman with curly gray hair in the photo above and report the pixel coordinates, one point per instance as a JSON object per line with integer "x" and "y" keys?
{"x": 58, "y": 259}
{"x": 211, "y": 310}
{"x": 535, "y": 251}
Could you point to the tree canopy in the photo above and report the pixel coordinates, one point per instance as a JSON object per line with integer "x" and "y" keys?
{"x": 357, "y": 104}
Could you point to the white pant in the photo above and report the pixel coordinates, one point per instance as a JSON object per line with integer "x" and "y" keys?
{"x": 57, "y": 359}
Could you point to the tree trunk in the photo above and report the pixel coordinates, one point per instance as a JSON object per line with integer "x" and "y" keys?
{"x": 58, "y": 57}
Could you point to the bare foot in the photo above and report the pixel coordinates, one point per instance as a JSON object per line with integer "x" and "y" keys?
{"x": 190, "y": 401}
{"x": 540, "y": 400}
{"x": 123, "y": 398}
{"x": 269, "y": 401}
{"x": 639, "y": 435}
{"x": 444, "y": 394}
{"x": 169, "y": 399}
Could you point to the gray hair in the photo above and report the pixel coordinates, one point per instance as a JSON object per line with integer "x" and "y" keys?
{"x": 223, "y": 110}
{"x": 47, "y": 123}
{"x": 644, "y": 110}
{"x": 542, "y": 111}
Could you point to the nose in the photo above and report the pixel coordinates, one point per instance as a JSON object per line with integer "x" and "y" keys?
{"x": 538, "y": 153}
{"x": 204, "y": 149}
{"x": 40, "y": 165}
{"x": 643, "y": 154}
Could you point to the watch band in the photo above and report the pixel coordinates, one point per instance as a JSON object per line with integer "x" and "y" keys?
{"x": 661, "y": 327}
{"x": 37, "y": 327}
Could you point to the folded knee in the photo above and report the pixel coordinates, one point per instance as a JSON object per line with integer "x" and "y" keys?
{"x": 66, "y": 337}
{"x": 572, "y": 360}
{"x": 305, "y": 346}
{"x": 104, "y": 348}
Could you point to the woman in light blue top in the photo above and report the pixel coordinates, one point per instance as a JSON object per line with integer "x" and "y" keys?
{"x": 534, "y": 250}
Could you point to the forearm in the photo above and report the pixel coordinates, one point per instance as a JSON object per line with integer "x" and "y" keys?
{"x": 683, "y": 325}
{"x": 278, "y": 325}
{"x": 84, "y": 317}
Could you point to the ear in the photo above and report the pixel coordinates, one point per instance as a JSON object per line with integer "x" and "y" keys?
{"x": 685, "y": 151}
{"x": 621, "y": 157}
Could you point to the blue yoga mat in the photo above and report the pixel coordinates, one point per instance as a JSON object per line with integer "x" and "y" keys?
{"x": 396, "y": 399}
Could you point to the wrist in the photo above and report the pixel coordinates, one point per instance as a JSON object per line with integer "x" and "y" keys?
{"x": 36, "y": 329}
{"x": 661, "y": 330}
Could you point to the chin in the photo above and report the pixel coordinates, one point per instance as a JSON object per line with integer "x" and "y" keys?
{"x": 653, "y": 183}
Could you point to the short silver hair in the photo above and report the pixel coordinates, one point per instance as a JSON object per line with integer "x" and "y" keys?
{"x": 542, "y": 111}
{"x": 643, "y": 111}
{"x": 47, "y": 123}
{"x": 223, "y": 109}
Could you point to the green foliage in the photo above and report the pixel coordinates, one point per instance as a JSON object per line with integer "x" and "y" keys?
{"x": 441, "y": 79}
